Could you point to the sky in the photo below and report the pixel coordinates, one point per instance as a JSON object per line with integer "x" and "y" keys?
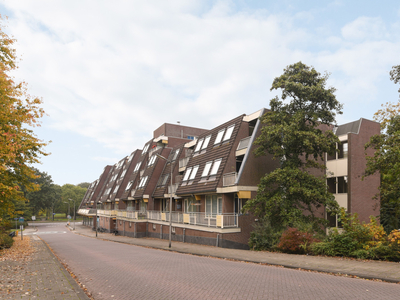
{"x": 111, "y": 72}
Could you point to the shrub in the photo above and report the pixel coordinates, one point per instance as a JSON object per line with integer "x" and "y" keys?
{"x": 295, "y": 241}
{"x": 5, "y": 241}
{"x": 264, "y": 237}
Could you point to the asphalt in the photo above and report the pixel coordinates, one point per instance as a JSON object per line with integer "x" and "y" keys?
{"x": 43, "y": 277}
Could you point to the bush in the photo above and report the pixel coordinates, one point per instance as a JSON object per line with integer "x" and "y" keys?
{"x": 264, "y": 237}
{"x": 5, "y": 241}
{"x": 295, "y": 241}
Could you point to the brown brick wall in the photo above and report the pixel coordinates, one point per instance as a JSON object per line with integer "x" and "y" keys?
{"x": 360, "y": 192}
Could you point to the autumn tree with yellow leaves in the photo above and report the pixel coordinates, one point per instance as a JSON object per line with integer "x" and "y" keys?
{"x": 19, "y": 146}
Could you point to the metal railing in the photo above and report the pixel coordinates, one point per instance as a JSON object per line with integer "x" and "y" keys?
{"x": 244, "y": 143}
{"x": 183, "y": 162}
{"x": 229, "y": 179}
{"x": 190, "y": 218}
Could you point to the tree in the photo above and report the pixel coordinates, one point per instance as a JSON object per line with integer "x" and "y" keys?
{"x": 84, "y": 185}
{"x": 73, "y": 192}
{"x": 19, "y": 146}
{"x": 386, "y": 159}
{"x": 296, "y": 132}
{"x": 47, "y": 194}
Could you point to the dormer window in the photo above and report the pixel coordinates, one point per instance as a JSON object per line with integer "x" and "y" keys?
{"x": 146, "y": 147}
{"x": 186, "y": 177}
{"x": 219, "y": 136}
{"x": 198, "y": 146}
{"x": 130, "y": 157}
{"x": 137, "y": 167}
{"x": 206, "y": 141}
{"x": 123, "y": 174}
{"x": 116, "y": 189}
{"x": 214, "y": 169}
{"x": 152, "y": 160}
{"x": 163, "y": 180}
{"x": 194, "y": 172}
{"x": 142, "y": 182}
{"x": 228, "y": 133}
{"x": 206, "y": 169}
{"x": 129, "y": 185}
{"x": 215, "y": 166}
{"x": 175, "y": 156}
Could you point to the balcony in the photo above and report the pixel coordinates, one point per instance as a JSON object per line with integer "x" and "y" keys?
{"x": 87, "y": 212}
{"x": 183, "y": 163}
{"x": 229, "y": 179}
{"x": 243, "y": 145}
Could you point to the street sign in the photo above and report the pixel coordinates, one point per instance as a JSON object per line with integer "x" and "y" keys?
{"x": 15, "y": 219}
{"x": 33, "y": 218}
{"x": 54, "y": 214}
{"x": 21, "y": 219}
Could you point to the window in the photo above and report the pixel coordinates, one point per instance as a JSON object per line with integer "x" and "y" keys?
{"x": 189, "y": 205}
{"x": 137, "y": 167}
{"x": 190, "y": 137}
{"x": 175, "y": 156}
{"x": 129, "y": 185}
{"x": 337, "y": 185}
{"x": 228, "y": 133}
{"x": 198, "y": 146}
{"x": 130, "y": 157}
{"x": 193, "y": 174}
{"x": 219, "y": 136}
{"x": 116, "y": 189}
{"x": 206, "y": 141}
{"x": 215, "y": 167}
{"x": 123, "y": 174}
{"x": 163, "y": 180}
{"x": 206, "y": 169}
{"x": 213, "y": 205}
{"x": 142, "y": 182}
{"x": 146, "y": 147}
{"x": 343, "y": 150}
{"x": 152, "y": 160}
{"x": 186, "y": 177}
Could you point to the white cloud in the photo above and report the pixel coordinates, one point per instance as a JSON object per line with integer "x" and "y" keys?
{"x": 365, "y": 28}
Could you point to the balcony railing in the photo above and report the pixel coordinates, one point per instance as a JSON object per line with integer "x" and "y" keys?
{"x": 183, "y": 162}
{"x": 191, "y": 218}
{"x": 244, "y": 143}
{"x": 174, "y": 188}
{"x": 229, "y": 179}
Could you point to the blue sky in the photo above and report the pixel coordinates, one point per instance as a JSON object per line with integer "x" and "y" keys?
{"x": 110, "y": 72}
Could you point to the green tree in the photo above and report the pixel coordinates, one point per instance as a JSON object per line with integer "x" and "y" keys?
{"x": 296, "y": 132}
{"x": 73, "y": 192}
{"x": 386, "y": 159}
{"x": 19, "y": 146}
{"x": 84, "y": 185}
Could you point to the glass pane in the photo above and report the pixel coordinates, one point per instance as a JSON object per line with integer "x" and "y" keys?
{"x": 219, "y": 136}
{"x": 206, "y": 169}
{"x": 331, "y": 185}
{"x": 343, "y": 149}
{"x": 187, "y": 174}
{"x": 206, "y": 141}
{"x": 193, "y": 175}
{"x": 215, "y": 167}
{"x": 198, "y": 146}
{"x": 228, "y": 133}
{"x": 342, "y": 184}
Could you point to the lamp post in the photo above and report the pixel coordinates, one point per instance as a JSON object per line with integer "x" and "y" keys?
{"x": 74, "y": 211}
{"x": 68, "y": 210}
{"x": 170, "y": 197}
{"x": 97, "y": 225}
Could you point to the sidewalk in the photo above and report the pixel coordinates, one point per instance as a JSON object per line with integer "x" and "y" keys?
{"x": 382, "y": 270}
{"x": 38, "y": 275}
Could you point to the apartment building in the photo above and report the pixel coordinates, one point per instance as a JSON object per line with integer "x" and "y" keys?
{"x": 214, "y": 172}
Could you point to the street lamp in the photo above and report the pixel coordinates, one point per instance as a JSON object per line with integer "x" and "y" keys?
{"x": 170, "y": 198}
{"x": 97, "y": 225}
{"x": 68, "y": 211}
{"x": 74, "y": 211}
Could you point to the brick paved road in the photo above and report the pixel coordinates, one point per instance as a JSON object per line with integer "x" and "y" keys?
{"x": 119, "y": 271}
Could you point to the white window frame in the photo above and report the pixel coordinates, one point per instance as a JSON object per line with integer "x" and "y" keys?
{"x": 228, "y": 132}
{"x": 143, "y": 182}
{"x": 137, "y": 167}
{"x": 207, "y": 168}
{"x": 152, "y": 160}
{"x": 219, "y": 136}
{"x": 115, "y": 189}
{"x": 146, "y": 147}
{"x": 193, "y": 173}
{"x": 213, "y": 206}
{"x": 199, "y": 144}
{"x": 129, "y": 185}
{"x": 215, "y": 167}
{"x": 206, "y": 142}
{"x": 186, "y": 177}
